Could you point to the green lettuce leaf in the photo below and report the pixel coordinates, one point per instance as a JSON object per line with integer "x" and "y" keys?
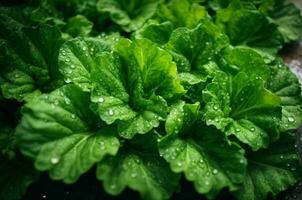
{"x": 133, "y": 94}
{"x": 130, "y": 16}
{"x": 78, "y": 56}
{"x": 155, "y": 31}
{"x": 289, "y": 21}
{"x": 192, "y": 48}
{"x": 159, "y": 72}
{"x": 63, "y": 119}
{"x": 241, "y": 106}
{"x": 181, "y": 13}
{"x": 146, "y": 173}
{"x": 78, "y": 25}
{"x": 286, "y": 85}
{"x": 181, "y": 117}
{"x": 46, "y": 12}
{"x": 270, "y": 171}
{"x": 28, "y": 58}
{"x": 245, "y": 59}
{"x": 201, "y": 159}
{"x": 245, "y": 25}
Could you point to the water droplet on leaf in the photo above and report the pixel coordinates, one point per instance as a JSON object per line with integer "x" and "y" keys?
{"x": 111, "y": 112}
{"x": 101, "y": 100}
{"x": 54, "y": 160}
{"x": 290, "y": 119}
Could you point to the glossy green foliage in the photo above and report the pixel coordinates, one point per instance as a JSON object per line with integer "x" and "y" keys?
{"x": 147, "y": 92}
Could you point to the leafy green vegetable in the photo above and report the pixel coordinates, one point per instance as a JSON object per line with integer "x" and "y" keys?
{"x": 129, "y": 15}
{"x": 272, "y": 173}
{"x": 62, "y": 119}
{"x": 182, "y": 13}
{"x": 26, "y": 65}
{"x": 289, "y": 21}
{"x": 241, "y": 106}
{"x": 147, "y": 92}
{"x": 78, "y": 25}
{"x": 208, "y": 167}
{"x": 147, "y": 174}
{"x": 285, "y": 84}
{"x": 151, "y": 77}
{"x": 246, "y": 25}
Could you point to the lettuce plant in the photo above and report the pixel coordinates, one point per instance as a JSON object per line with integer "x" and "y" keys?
{"x": 147, "y": 92}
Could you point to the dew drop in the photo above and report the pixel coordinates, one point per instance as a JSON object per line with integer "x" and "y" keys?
{"x": 68, "y": 80}
{"x": 67, "y": 59}
{"x": 101, "y": 100}
{"x": 290, "y": 119}
{"x": 73, "y": 116}
{"x": 252, "y": 129}
{"x": 84, "y": 48}
{"x": 215, "y": 171}
{"x": 179, "y": 164}
{"x": 110, "y": 112}
{"x": 133, "y": 175}
{"x": 72, "y": 66}
{"x": 16, "y": 75}
{"x": 201, "y": 160}
{"x": 238, "y": 130}
{"x": 54, "y": 160}
{"x": 215, "y": 108}
{"x": 281, "y": 157}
